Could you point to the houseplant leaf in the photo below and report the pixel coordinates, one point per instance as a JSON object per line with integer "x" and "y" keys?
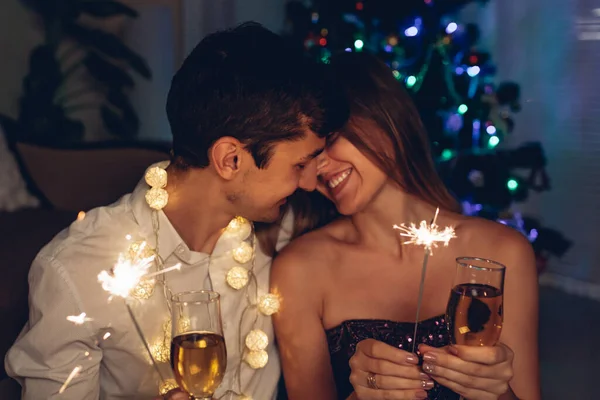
{"x": 110, "y": 45}
{"x": 106, "y": 72}
{"x": 119, "y": 115}
{"x": 52, "y": 10}
{"x": 105, "y": 9}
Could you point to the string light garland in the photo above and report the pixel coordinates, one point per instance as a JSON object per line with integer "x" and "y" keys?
{"x": 269, "y": 304}
{"x": 238, "y": 278}
{"x": 166, "y": 386}
{"x": 257, "y": 359}
{"x": 243, "y": 253}
{"x": 257, "y": 340}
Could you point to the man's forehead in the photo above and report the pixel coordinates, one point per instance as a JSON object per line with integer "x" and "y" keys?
{"x": 309, "y": 146}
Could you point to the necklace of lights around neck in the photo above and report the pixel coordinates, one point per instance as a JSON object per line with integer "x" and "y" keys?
{"x": 239, "y": 277}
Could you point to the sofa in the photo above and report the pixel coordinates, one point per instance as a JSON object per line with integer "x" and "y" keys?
{"x": 66, "y": 180}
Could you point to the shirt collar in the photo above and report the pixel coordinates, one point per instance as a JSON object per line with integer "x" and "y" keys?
{"x": 169, "y": 241}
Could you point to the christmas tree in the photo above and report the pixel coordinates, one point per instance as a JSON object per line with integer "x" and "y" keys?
{"x": 466, "y": 113}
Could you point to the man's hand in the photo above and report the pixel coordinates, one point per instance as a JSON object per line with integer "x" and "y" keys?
{"x": 175, "y": 394}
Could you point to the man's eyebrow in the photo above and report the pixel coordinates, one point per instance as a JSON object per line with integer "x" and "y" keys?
{"x": 312, "y": 155}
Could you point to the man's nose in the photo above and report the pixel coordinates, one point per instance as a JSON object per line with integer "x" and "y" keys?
{"x": 308, "y": 179}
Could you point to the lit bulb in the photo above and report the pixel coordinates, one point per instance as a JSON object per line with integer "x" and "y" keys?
{"x": 451, "y": 28}
{"x": 157, "y": 198}
{"x": 240, "y": 227}
{"x": 80, "y": 215}
{"x": 257, "y": 359}
{"x": 160, "y": 352}
{"x": 184, "y": 325}
{"x": 156, "y": 177}
{"x": 493, "y": 141}
{"x": 473, "y": 71}
{"x": 243, "y": 253}
{"x": 144, "y": 290}
{"x": 140, "y": 249}
{"x": 257, "y": 340}
{"x": 269, "y": 304}
{"x": 237, "y": 277}
{"x": 166, "y": 386}
{"x": 412, "y": 31}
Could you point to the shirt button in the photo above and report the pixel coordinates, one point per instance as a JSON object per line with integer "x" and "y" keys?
{"x": 180, "y": 250}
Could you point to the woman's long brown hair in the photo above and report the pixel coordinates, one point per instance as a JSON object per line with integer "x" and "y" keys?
{"x": 386, "y": 127}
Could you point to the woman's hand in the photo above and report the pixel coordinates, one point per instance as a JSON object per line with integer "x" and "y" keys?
{"x": 380, "y": 371}
{"x": 476, "y": 373}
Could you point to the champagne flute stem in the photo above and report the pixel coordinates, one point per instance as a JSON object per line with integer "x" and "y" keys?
{"x": 420, "y": 298}
{"x": 139, "y": 331}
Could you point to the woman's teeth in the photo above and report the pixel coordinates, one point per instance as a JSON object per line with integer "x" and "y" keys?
{"x": 336, "y": 181}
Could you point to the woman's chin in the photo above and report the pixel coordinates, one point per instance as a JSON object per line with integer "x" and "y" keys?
{"x": 345, "y": 209}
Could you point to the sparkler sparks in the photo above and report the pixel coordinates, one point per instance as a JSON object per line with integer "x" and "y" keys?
{"x": 126, "y": 274}
{"x": 78, "y": 319}
{"x": 427, "y": 235}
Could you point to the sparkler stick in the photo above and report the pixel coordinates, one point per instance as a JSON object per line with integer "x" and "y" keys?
{"x": 141, "y": 333}
{"x": 175, "y": 267}
{"x": 71, "y": 376}
{"x": 427, "y": 236}
{"x": 123, "y": 278}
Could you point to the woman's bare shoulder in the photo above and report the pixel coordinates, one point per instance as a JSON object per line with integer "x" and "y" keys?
{"x": 315, "y": 249}
{"x": 489, "y": 231}
{"x": 326, "y": 238}
{"x": 491, "y": 239}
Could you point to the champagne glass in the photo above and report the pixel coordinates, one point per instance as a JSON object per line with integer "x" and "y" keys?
{"x": 474, "y": 312}
{"x": 198, "y": 352}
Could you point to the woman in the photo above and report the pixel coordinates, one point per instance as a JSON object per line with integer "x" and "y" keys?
{"x": 349, "y": 289}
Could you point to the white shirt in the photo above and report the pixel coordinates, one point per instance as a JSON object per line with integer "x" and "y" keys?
{"x": 114, "y": 365}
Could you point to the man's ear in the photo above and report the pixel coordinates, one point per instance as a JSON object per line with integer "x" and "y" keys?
{"x": 226, "y": 157}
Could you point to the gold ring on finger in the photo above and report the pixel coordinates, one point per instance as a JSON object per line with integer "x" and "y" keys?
{"x": 372, "y": 381}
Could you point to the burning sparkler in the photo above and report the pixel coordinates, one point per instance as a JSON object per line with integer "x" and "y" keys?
{"x": 120, "y": 281}
{"x": 427, "y": 236}
{"x": 124, "y": 277}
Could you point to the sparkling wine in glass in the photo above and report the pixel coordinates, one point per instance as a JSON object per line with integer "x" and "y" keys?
{"x": 474, "y": 312}
{"x": 198, "y": 351}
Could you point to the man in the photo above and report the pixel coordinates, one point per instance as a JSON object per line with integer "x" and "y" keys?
{"x": 248, "y": 118}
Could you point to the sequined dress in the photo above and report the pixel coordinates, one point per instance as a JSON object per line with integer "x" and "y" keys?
{"x": 343, "y": 339}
